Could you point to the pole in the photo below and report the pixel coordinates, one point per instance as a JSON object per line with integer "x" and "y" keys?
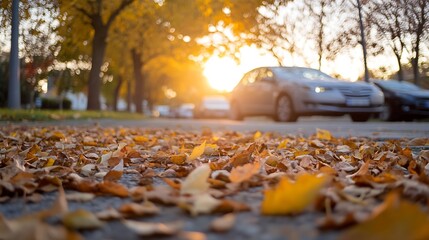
{"x": 14, "y": 93}
{"x": 363, "y": 42}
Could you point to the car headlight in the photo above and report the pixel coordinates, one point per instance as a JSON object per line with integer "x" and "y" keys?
{"x": 320, "y": 89}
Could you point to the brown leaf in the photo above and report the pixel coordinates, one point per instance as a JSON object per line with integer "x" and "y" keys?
{"x": 137, "y": 210}
{"x": 115, "y": 173}
{"x": 113, "y": 189}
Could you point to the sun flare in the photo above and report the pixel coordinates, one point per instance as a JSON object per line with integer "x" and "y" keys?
{"x": 222, "y": 73}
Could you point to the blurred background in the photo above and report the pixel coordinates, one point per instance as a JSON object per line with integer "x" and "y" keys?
{"x": 175, "y": 58}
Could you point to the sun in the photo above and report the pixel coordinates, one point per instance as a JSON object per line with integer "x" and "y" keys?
{"x": 223, "y": 74}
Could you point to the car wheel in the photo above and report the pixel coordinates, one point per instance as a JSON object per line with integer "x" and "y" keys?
{"x": 360, "y": 117}
{"x": 387, "y": 113}
{"x": 235, "y": 113}
{"x": 284, "y": 110}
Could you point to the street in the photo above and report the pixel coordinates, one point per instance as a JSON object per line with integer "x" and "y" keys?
{"x": 306, "y": 126}
{"x": 250, "y": 224}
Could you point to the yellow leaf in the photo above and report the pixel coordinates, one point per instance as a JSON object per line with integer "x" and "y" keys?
{"x": 283, "y": 144}
{"x": 243, "y": 173}
{"x": 196, "y": 182}
{"x": 50, "y": 162}
{"x": 178, "y": 159}
{"x": 324, "y": 134}
{"x": 140, "y": 139}
{"x": 292, "y": 197}
{"x": 198, "y": 151}
{"x": 210, "y": 149}
{"x": 257, "y": 135}
{"x": 403, "y": 221}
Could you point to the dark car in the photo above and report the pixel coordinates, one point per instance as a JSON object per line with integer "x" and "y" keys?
{"x": 403, "y": 100}
{"x": 289, "y": 92}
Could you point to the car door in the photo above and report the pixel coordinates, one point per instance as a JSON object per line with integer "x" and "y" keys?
{"x": 244, "y": 92}
{"x": 264, "y": 95}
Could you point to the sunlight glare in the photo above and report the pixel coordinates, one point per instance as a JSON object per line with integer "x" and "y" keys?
{"x": 222, "y": 73}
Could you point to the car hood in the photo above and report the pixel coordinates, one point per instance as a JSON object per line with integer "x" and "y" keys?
{"x": 418, "y": 93}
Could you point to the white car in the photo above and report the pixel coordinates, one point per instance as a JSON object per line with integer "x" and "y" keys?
{"x": 289, "y": 92}
{"x": 212, "y": 107}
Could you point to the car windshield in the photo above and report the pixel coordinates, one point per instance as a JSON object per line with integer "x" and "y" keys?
{"x": 398, "y": 86}
{"x": 303, "y": 73}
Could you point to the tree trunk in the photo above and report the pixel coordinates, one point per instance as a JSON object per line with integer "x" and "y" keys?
{"x": 400, "y": 71}
{"x": 116, "y": 93}
{"x": 415, "y": 63}
{"x": 139, "y": 81}
{"x": 98, "y": 51}
{"x": 129, "y": 94}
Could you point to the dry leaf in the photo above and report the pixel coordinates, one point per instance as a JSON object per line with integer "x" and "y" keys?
{"x": 149, "y": 229}
{"x": 243, "y": 173}
{"x": 178, "y": 159}
{"x": 80, "y": 197}
{"x": 323, "y": 134}
{"x": 81, "y": 219}
{"x": 403, "y": 221}
{"x": 224, "y": 223}
{"x": 196, "y": 182}
{"x": 292, "y": 197}
{"x": 113, "y": 188}
{"x": 197, "y": 151}
{"x": 116, "y": 172}
{"x": 137, "y": 210}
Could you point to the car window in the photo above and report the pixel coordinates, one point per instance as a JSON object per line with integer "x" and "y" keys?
{"x": 303, "y": 73}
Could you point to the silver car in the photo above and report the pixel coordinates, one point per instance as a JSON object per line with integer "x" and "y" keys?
{"x": 289, "y": 92}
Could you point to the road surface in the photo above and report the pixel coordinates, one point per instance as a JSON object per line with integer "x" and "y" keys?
{"x": 339, "y": 126}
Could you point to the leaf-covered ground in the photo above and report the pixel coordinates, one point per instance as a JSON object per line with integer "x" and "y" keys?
{"x": 124, "y": 183}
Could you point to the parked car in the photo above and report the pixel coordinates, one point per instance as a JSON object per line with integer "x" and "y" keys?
{"x": 403, "y": 100}
{"x": 212, "y": 107}
{"x": 161, "y": 111}
{"x": 286, "y": 93}
{"x": 185, "y": 110}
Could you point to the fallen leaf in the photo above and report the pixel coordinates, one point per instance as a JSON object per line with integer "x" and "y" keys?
{"x": 224, "y": 223}
{"x": 80, "y": 197}
{"x": 149, "y": 229}
{"x": 113, "y": 188}
{"x": 323, "y": 134}
{"x": 137, "y": 210}
{"x": 292, "y": 197}
{"x": 257, "y": 135}
{"x": 196, "y": 182}
{"x": 81, "y": 220}
{"x": 403, "y": 221}
{"x": 178, "y": 159}
{"x": 116, "y": 172}
{"x": 197, "y": 151}
{"x": 243, "y": 173}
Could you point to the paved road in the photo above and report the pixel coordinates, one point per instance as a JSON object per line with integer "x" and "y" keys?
{"x": 339, "y": 126}
{"x": 251, "y": 225}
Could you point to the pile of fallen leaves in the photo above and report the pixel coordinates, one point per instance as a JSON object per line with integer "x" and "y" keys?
{"x": 368, "y": 189}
